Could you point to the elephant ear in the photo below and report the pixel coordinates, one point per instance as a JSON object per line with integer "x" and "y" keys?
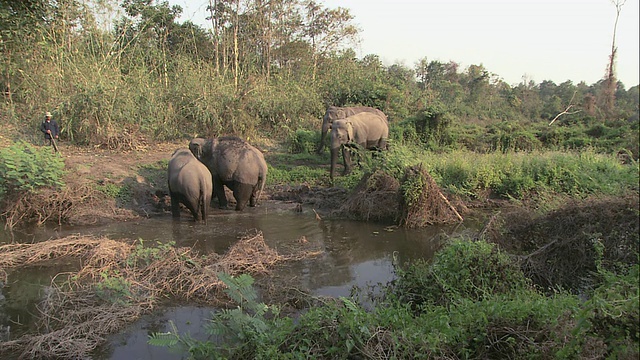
{"x": 349, "y": 131}
{"x": 196, "y": 149}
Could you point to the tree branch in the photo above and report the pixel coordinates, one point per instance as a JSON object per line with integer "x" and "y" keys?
{"x": 566, "y": 111}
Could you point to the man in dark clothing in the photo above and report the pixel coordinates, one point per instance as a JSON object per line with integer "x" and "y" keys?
{"x": 50, "y": 129}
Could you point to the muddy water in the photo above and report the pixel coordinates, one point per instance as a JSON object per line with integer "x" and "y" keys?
{"x": 355, "y": 254}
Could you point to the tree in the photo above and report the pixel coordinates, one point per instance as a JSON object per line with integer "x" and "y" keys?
{"x": 610, "y": 83}
{"x": 327, "y": 29}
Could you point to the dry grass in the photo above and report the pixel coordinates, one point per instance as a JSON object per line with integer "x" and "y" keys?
{"x": 375, "y": 198}
{"x": 430, "y": 206}
{"x": 118, "y": 283}
{"x": 77, "y": 203}
{"x": 559, "y": 248}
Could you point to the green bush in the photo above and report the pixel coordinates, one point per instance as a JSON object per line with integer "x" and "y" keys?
{"x": 463, "y": 269}
{"x": 612, "y": 314}
{"x": 25, "y": 168}
{"x": 303, "y": 141}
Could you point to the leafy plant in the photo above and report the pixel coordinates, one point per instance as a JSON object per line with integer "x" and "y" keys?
{"x": 144, "y": 255}
{"x": 25, "y": 168}
{"x": 463, "y": 269}
{"x": 303, "y": 141}
{"x": 242, "y": 332}
{"x": 115, "y": 191}
{"x": 114, "y": 288}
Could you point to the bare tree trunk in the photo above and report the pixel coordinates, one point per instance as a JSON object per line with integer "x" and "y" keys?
{"x": 610, "y": 80}
{"x": 7, "y": 90}
{"x": 213, "y": 8}
{"x": 235, "y": 47}
{"x": 268, "y": 42}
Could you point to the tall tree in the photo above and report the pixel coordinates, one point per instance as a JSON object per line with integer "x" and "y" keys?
{"x": 328, "y": 29}
{"x": 609, "y": 88}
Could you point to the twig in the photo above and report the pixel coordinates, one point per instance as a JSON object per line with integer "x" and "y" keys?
{"x": 486, "y": 226}
{"x": 451, "y": 206}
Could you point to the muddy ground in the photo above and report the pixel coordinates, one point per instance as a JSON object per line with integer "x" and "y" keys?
{"x": 140, "y": 173}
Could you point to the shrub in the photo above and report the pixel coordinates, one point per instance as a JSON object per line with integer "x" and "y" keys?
{"x": 25, "y": 168}
{"x": 461, "y": 270}
{"x": 302, "y": 141}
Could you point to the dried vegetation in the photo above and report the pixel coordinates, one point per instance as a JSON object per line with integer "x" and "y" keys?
{"x": 565, "y": 246}
{"x": 118, "y": 283}
{"x": 415, "y": 201}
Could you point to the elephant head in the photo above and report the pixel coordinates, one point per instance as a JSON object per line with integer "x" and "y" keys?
{"x": 197, "y": 147}
{"x": 365, "y": 129}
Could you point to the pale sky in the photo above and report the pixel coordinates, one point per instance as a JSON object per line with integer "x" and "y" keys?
{"x": 539, "y": 40}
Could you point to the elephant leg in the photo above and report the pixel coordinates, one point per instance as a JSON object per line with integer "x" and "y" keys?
{"x": 242, "y": 193}
{"x": 204, "y": 204}
{"x": 218, "y": 189}
{"x": 253, "y": 200}
{"x": 175, "y": 204}
{"x": 193, "y": 208}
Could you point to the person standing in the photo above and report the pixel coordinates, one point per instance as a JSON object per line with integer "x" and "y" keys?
{"x": 50, "y": 129}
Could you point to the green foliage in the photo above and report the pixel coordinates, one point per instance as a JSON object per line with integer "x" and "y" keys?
{"x": 516, "y": 175}
{"x": 287, "y": 175}
{"x": 115, "y": 191}
{"x": 25, "y": 168}
{"x": 113, "y": 288}
{"x": 612, "y": 313}
{"x": 143, "y": 255}
{"x": 303, "y": 141}
{"x": 243, "y": 332}
{"x": 473, "y": 299}
{"x": 411, "y": 189}
{"x": 464, "y": 269}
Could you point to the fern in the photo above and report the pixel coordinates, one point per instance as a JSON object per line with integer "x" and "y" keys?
{"x": 167, "y": 339}
{"x": 240, "y": 289}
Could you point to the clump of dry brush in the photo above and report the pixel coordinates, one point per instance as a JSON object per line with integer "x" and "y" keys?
{"x": 117, "y": 283}
{"x": 566, "y": 246}
{"x": 415, "y": 201}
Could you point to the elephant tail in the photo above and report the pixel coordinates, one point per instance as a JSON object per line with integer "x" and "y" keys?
{"x": 262, "y": 179}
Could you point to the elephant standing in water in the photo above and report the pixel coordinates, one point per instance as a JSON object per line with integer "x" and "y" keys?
{"x": 189, "y": 184}
{"x": 235, "y": 163}
{"x": 334, "y": 113}
{"x": 367, "y": 130}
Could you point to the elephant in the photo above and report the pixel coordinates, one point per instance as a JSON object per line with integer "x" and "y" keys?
{"x": 367, "y": 130}
{"x": 234, "y": 163}
{"x": 334, "y": 113}
{"x": 190, "y": 184}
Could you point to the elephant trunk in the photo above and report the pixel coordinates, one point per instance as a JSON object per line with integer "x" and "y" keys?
{"x": 326, "y": 124}
{"x": 334, "y": 160}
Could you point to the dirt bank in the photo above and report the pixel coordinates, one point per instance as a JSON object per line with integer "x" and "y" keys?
{"x": 105, "y": 185}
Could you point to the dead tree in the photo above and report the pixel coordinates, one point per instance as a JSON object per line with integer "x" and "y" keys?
{"x": 566, "y": 111}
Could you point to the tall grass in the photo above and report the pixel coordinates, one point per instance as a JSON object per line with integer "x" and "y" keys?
{"x": 516, "y": 175}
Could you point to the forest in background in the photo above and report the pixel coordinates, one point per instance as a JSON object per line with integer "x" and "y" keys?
{"x": 269, "y": 69}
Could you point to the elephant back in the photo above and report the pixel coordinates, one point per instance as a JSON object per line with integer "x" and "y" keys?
{"x": 334, "y": 112}
{"x": 235, "y": 159}
{"x": 369, "y": 126}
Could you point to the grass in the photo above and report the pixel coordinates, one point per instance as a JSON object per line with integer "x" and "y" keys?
{"x": 517, "y": 175}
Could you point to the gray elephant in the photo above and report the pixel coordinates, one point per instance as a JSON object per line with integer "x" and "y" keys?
{"x": 367, "y": 130}
{"x": 233, "y": 163}
{"x": 334, "y": 113}
{"x": 189, "y": 184}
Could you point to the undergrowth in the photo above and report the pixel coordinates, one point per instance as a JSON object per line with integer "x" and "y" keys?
{"x": 472, "y": 301}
